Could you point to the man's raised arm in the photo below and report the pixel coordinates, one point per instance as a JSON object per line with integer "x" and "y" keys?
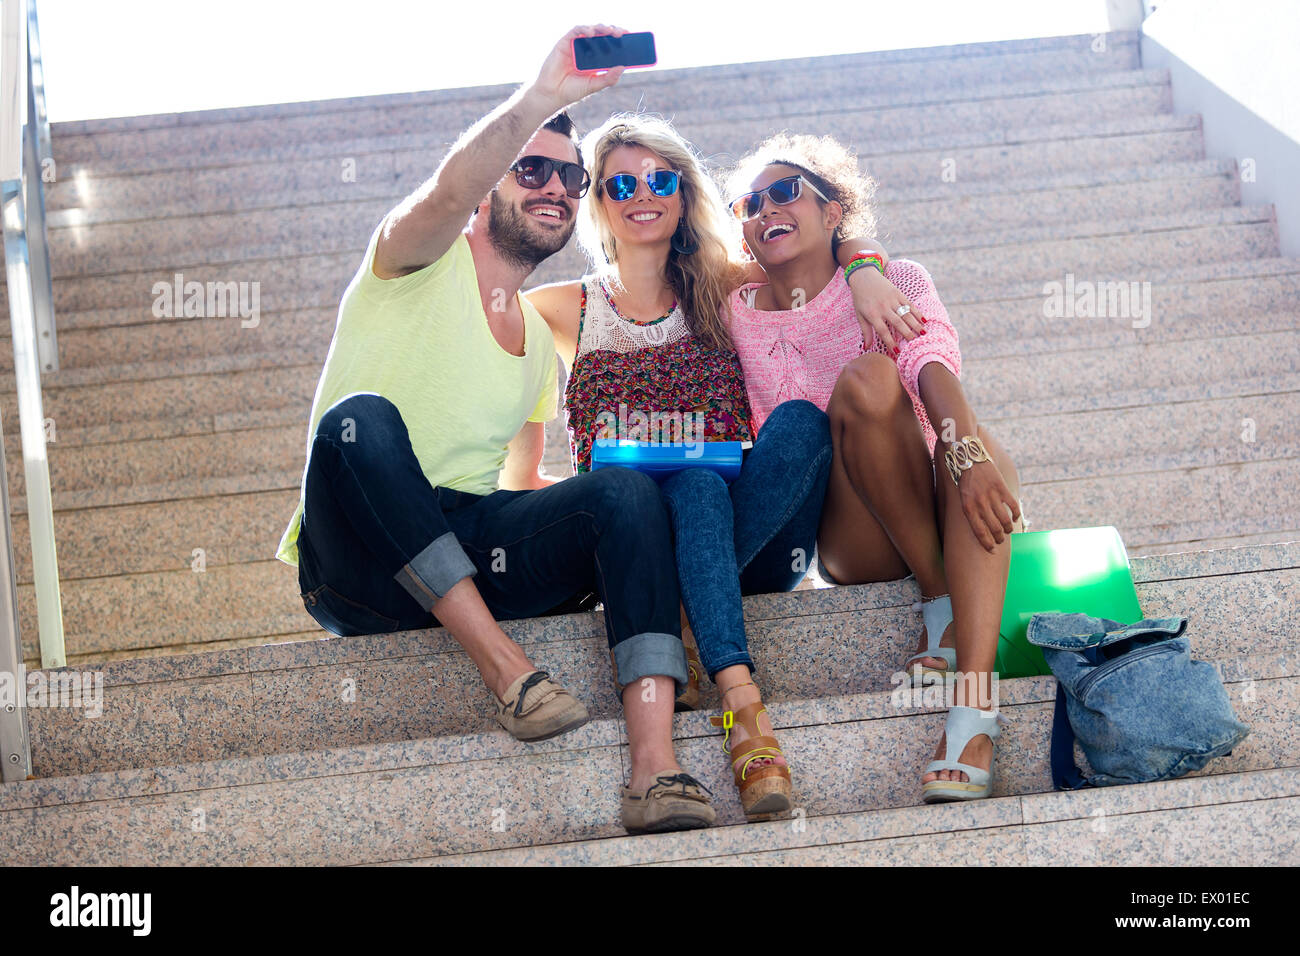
{"x": 427, "y": 222}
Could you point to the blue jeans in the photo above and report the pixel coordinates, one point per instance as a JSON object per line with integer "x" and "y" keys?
{"x": 380, "y": 545}
{"x": 755, "y": 537}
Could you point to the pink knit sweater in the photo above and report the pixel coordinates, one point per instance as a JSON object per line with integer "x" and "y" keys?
{"x": 799, "y": 353}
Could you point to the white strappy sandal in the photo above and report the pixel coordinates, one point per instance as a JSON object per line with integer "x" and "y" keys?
{"x": 963, "y": 725}
{"x": 937, "y": 613}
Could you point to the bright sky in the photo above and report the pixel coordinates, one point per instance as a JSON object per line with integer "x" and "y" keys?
{"x": 129, "y": 57}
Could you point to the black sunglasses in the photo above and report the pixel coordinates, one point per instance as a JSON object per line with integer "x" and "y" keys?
{"x": 534, "y": 172}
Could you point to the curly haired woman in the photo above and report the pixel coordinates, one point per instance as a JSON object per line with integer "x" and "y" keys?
{"x": 899, "y": 499}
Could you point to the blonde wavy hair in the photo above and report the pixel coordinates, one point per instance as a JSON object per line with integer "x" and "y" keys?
{"x": 832, "y": 168}
{"x": 703, "y": 280}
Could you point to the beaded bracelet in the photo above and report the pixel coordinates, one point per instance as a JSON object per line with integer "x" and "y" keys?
{"x": 864, "y": 258}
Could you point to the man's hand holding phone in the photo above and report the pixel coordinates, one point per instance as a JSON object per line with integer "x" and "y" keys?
{"x": 560, "y": 84}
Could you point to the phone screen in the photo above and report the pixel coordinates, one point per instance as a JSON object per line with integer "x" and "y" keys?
{"x": 601, "y": 53}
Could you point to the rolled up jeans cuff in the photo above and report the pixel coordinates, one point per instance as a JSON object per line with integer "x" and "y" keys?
{"x": 729, "y": 660}
{"x": 435, "y": 571}
{"x": 650, "y": 655}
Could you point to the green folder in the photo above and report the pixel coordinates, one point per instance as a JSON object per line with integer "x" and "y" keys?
{"x": 1075, "y": 570}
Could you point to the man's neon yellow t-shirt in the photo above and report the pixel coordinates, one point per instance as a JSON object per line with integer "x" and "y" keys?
{"x": 422, "y": 341}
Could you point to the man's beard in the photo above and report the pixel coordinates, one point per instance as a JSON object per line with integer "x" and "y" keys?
{"x": 515, "y": 241}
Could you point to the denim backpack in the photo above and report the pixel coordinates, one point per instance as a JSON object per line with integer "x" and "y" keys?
{"x": 1140, "y": 707}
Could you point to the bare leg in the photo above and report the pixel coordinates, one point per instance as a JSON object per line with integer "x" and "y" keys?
{"x": 648, "y": 710}
{"x": 978, "y": 579}
{"x": 879, "y": 519}
{"x": 499, "y": 660}
{"x": 734, "y": 697}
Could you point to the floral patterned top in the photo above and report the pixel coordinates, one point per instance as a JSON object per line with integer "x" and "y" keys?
{"x": 649, "y": 381}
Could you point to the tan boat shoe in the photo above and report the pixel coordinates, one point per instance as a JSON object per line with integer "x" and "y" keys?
{"x": 675, "y": 802}
{"x": 536, "y": 708}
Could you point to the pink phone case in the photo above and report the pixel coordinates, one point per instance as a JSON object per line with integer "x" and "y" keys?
{"x": 574, "y": 54}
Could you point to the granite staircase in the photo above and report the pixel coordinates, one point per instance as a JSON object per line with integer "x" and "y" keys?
{"x": 234, "y": 730}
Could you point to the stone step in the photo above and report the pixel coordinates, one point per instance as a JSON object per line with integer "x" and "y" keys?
{"x": 136, "y": 240}
{"x": 990, "y": 154}
{"x": 1135, "y": 89}
{"x": 156, "y": 610}
{"x": 1074, "y": 380}
{"x": 1224, "y": 298}
{"x": 1002, "y": 61}
{"x": 1094, "y": 248}
{"x": 181, "y": 475}
{"x": 1141, "y": 192}
{"x": 255, "y": 390}
{"x": 460, "y": 794}
{"x": 85, "y": 475}
{"x": 161, "y": 536}
{"x": 97, "y": 475}
{"x": 1177, "y": 309}
{"x": 303, "y": 334}
{"x": 99, "y": 397}
{"x": 1161, "y": 498}
{"x": 119, "y": 411}
{"x": 1143, "y": 141}
{"x": 336, "y": 226}
{"x": 1221, "y": 542}
{"x": 981, "y": 157}
{"x": 157, "y": 541}
{"x": 1185, "y": 435}
{"x": 1176, "y": 507}
{"x": 279, "y": 698}
{"x": 1224, "y": 819}
{"x": 1090, "y": 250}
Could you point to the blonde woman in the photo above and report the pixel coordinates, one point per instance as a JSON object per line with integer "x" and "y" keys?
{"x": 647, "y": 334}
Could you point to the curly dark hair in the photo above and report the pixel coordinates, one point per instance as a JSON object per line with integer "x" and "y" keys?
{"x": 828, "y": 164}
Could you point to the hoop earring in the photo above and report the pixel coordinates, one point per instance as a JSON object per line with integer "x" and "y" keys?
{"x": 682, "y": 245}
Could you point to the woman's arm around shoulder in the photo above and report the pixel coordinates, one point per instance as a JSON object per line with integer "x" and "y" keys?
{"x": 560, "y": 304}
{"x": 939, "y": 343}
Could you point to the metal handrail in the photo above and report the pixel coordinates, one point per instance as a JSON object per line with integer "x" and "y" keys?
{"x": 23, "y": 126}
{"x": 36, "y": 83}
{"x": 39, "y": 163}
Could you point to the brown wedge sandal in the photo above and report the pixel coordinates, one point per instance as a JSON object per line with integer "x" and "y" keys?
{"x": 766, "y": 790}
{"x": 689, "y": 698}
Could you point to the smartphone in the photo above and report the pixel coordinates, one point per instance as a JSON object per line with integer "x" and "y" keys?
{"x": 601, "y": 53}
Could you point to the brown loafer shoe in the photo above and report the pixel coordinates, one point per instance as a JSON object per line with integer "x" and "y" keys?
{"x": 536, "y": 708}
{"x": 675, "y": 802}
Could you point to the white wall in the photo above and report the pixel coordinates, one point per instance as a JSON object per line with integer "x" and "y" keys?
{"x": 1238, "y": 65}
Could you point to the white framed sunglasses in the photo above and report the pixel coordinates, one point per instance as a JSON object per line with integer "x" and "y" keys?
{"x": 782, "y": 193}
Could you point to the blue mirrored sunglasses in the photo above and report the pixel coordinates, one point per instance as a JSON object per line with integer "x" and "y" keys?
{"x": 622, "y": 187}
